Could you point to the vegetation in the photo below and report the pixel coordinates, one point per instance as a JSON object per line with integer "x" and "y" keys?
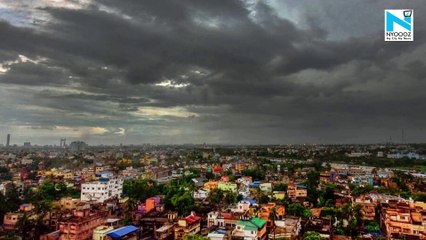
{"x": 195, "y": 237}
{"x": 312, "y": 236}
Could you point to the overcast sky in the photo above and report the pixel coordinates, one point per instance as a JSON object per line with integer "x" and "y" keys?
{"x": 214, "y": 71}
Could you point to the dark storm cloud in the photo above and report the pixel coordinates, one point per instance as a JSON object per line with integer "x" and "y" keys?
{"x": 248, "y": 73}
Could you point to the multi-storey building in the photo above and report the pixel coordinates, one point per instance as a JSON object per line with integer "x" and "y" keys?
{"x": 81, "y": 224}
{"x": 105, "y": 188}
{"x": 164, "y": 232}
{"x": 267, "y": 209}
{"x": 287, "y": 228}
{"x": 250, "y": 229}
{"x": 188, "y": 225}
{"x": 10, "y": 220}
{"x": 222, "y": 219}
{"x": 403, "y": 220}
{"x": 368, "y": 207}
{"x": 295, "y": 191}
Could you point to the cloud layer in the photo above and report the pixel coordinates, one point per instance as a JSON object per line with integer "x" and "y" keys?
{"x": 239, "y": 71}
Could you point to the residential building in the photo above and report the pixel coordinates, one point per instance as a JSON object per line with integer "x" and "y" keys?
{"x": 368, "y": 207}
{"x": 278, "y": 195}
{"x": 222, "y": 219}
{"x": 267, "y": 209}
{"x": 286, "y": 228}
{"x": 266, "y": 187}
{"x": 100, "y": 232}
{"x": 219, "y": 234}
{"x": 10, "y": 220}
{"x": 188, "y": 225}
{"x": 403, "y": 220}
{"x": 165, "y": 232}
{"x": 200, "y": 194}
{"x": 250, "y": 229}
{"x": 295, "y": 191}
{"x": 105, "y": 188}
{"x": 227, "y": 186}
{"x": 129, "y": 232}
{"x": 81, "y": 224}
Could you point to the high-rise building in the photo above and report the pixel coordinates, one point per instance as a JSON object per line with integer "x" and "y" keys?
{"x": 63, "y": 142}
{"x": 77, "y": 146}
{"x": 8, "y": 140}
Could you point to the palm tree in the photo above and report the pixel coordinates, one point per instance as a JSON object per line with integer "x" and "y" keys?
{"x": 129, "y": 207}
{"x": 56, "y": 210}
{"x": 41, "y": 209}
{"x": 24, "y": 225}
{"x": 273, "y": 215}
{"x": 357, "y": 213}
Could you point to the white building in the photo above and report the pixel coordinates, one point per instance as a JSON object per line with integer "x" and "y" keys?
{"x": 217, "y": 235}
{"x": 105, "y": 188}
{"x": 200, "y": 194}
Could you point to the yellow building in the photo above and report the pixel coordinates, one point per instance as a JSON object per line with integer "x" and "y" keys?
{"x": 100, "y": 232}
{"x": 278, "y": 195}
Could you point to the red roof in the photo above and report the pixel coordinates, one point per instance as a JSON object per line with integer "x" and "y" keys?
{"x": 192, "y": 219}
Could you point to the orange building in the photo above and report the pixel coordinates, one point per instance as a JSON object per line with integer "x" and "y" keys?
{"x": 368, "y": 207}
{"x": 296, "y": 191}
{"x": 402, "y": 220}
{"x": 240, "y": 167}
{"x": 217, "y": 169}
{"x": 266, "y": 210}
{"x": 211, "y": 185}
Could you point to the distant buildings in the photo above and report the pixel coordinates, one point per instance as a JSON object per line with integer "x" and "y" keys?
{"x": 63, "y": 142}
{"x": 358, "y": 154}
{"x": 78, "y": 146}
{"x": 398, "y": 155}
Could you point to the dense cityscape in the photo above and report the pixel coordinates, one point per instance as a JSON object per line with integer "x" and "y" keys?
{"x": 217, "y": 192}
{"x": 212, "y": 120}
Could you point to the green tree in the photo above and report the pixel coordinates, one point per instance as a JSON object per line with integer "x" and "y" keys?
{"x": 216, "y": 196}
{"x": 273, "y": 216}
{"x": 230, "y": 197}
{"x": 295, "y": 209}
{"x": 183, "y": 203}
{"x": 24, "y": 225}
{"x": 12, "y": 199}
{"x": 280, "y": 187}
{"x": 140, "y": 189}
{"x": 195, "y": 237}
{"x": 312, "y": 236}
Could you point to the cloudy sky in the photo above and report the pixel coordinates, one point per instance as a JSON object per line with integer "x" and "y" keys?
{"x": 214, "y": 71}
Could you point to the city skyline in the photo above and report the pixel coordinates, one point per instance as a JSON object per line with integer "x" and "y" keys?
{"x": 236, "y": 72}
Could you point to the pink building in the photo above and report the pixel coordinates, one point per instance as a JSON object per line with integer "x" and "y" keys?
{"x": 81, "y": 225}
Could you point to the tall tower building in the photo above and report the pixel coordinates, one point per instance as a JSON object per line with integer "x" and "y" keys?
{"x": 8, "y": 140}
